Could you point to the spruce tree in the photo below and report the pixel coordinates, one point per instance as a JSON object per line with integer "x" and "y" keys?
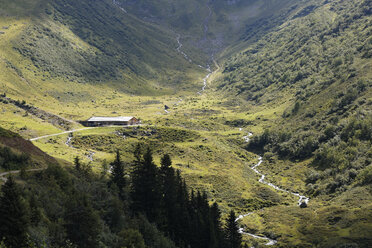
{"x": 216, "y": 231}
{"x": 77, "y": 163}
{"x": 82, "y": 221}
{"x": 105, "y": 168}
{"x": 13, "y": 216}
{"x": 183, "y": 230}
{"x": 168, "y": 194}
{"x": 146, "y": 192}
{"x": 137, "y": 153}
{"x": 117, "y": 174}
{"x": 232, "y": 235}
{"x": 166, "y": 162}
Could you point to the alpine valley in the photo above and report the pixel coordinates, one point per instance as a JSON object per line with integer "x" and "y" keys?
{"x": 251, "y": 123}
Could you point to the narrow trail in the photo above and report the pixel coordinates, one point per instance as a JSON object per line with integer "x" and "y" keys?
{"x": 91, "y": 154}
{"x": 78, "y": 130}
{"x": 4, "y": 174}
{"x": 58, "y": 134}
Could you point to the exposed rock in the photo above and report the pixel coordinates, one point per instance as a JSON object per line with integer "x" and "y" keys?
{"x": 303, "y": 205}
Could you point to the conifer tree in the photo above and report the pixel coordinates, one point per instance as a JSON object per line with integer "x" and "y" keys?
{"x": 117, "y": 174}
{"x": 137, "y": 153}
{"x": 13, "y": 216}
{"x": 183, "y": 230}
{"x": 77, "y": 163}
{"x": 105, "y": 168}
{"x": 81, "y": 221}
{"x": 146, "y": 193}
{"x": 216, "y": 231}
{"x": 232, "y": 235}
{"x": 166, "y": 162}
{"x": 168, "y": 194}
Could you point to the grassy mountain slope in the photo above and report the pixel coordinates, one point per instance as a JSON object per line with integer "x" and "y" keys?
{"x": 89, "y": 42}
{"x": 77, "y": 59}
{"x": 210, "y": 25}
{"x": 308, "y": 84}
{"x": 302, "y": 74}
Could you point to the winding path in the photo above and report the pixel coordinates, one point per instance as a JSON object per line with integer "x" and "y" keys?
{"x": 77, "y": 130}
{"x": 4, "y": 174}
{"x": 58, "y": 134}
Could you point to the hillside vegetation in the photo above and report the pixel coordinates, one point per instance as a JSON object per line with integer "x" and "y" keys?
{"x": 315, "y": 68}
{"x": 136, "y": 205}
{"x": 207, "y": 25}
{"x": 319, "y": 65}
{"x": 292, "y": 83}
{"x": 101, "y": 44}
{"x": 17, "y": 153}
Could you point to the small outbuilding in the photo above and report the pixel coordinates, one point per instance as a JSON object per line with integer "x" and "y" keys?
{"x": 110, "y": 121}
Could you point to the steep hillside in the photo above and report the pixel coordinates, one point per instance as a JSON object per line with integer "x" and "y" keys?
{"x": 307, "y": 85}
{"x": 89, "y": 42}
{"x": 210, "y": 25}
{"x": 53, "y": 206}
{"x": 292, "y": 84}
{"x": 17, "y": 153}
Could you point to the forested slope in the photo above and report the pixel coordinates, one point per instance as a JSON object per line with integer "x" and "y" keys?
{"x": 136, "y": 204}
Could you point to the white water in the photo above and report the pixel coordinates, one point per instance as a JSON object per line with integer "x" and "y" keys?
{"x": 208, "y": 68}
{"x": 241, "y": 230}
{"x": 178, "y": 102}
{"x": 180, "y": 45}
{"x": 90, "y": 155}
{"x": 205, "y": 80}
{"x": 247, "y": 137}
{"x": 301, "y": 199}
{"x": 68, "y": 142}
{"x": 118, "y": 5}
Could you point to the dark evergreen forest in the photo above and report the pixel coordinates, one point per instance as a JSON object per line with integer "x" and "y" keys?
{"x": 139, "y": 204}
